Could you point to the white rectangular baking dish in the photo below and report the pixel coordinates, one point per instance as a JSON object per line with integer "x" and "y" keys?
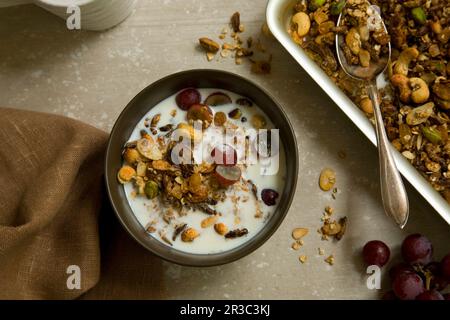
{"x": 278, "y": 15}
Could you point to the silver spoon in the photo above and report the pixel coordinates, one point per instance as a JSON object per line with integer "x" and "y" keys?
{"x": 393, "y": 193}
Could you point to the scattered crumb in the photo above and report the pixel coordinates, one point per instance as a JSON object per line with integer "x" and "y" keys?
{"x": 303, "y": 258}
{"x": 299, "y": 233}
{"x": 330, "y": 260}
{"x": 321, "y": 251}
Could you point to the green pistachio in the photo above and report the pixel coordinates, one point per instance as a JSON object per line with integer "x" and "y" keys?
{"x": 151, "y": 189}
{"x": 315, "y": 4}
{"x": 337, "y": 7}
{"x": 419, "y": 15}
{"x": 432, "y": 134}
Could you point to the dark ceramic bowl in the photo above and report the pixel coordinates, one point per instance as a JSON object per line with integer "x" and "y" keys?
{"x": 151, "y": 96}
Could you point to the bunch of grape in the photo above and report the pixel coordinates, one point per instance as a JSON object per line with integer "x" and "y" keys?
{"x": 418, "y": 277}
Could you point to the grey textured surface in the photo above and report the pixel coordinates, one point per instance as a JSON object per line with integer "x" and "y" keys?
{"x": 92, "y": 76}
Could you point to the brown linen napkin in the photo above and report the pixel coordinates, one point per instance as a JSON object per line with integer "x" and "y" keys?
{"x": 50, "y": 178}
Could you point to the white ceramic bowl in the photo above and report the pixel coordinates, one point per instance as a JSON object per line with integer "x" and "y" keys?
{"x": 278, "y": 15}
{"x": 95, "y": 14}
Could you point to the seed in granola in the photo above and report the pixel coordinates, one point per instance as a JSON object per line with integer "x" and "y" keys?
{"x": 166, "y": 128}
{"x": 236, "y": 233}
{"x": 180, "y": 228}
{"x": 209, "y": 45}
{"x": 189, "y": 235}
{"x": 299, "y": 233}
{"x": 155, "y": 120}
{"x": 303, "y": 258}
{"x": 235, "y": 113}
{"x": 327, "y": 179}
{"x": 330, "y": 260}
{"x": 221, "y": 228}
{"x": 207, "y": 222}
{"x": 235, "y": 21}
{"x": 166, "y": 240}
{"x": 343, "y": 224}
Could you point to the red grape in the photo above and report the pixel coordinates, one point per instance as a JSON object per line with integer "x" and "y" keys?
{"x": 430, "y": 295}
{"x": 407, "y": 286}
{"x": 227, "y": 175}
{"x": 224, "y": 154}
{"x": 445, "y": 267}
{"x": 376, "y": 252}
{"x": 400, "y": 268}
{"x": 187, "y": 98}
{"x": 269, "y": 197}
{"x": 417, "y": 249}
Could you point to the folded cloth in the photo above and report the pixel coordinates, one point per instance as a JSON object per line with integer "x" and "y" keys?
{"x": 51, "y": 171}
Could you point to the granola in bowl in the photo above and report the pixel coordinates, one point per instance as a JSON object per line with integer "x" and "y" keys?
{"x": 203, "y": 170}
{"x": 416, "y": 89}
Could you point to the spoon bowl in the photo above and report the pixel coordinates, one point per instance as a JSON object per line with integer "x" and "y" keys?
{"x": 393, "y": 193}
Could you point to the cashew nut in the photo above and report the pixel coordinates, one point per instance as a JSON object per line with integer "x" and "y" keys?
{"x": 402, "y": 64}
{"x": 353, "y": 40}
{"x": 303, "y": 23}
{"x": 364, "y": 32}
{"x": 420, "y": 92}
{"x": 401, "y": 82}
{"x": 364, "y": 58}
{"x": 366, "y": 105}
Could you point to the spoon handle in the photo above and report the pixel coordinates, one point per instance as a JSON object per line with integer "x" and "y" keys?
{"x": 393, "y": 193}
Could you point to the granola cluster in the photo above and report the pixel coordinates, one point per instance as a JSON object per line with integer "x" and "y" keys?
{"x": 416, "y": 100}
